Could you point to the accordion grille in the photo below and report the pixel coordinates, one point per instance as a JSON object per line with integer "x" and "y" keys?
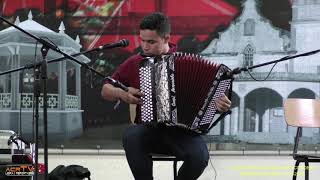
{"x": 147, "y": 110}
{"x": 212, "y": 109}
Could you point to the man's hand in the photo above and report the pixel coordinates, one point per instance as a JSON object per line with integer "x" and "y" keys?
{"x": 223, "y": 104}
{"x": 132, "y": 96}
{"x": 111, "y": 93}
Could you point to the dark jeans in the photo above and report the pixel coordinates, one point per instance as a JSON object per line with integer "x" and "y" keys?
{"x": 141, "y": 140}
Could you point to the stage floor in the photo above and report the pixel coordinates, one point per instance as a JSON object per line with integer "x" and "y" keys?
{"x": 227, "y": 167}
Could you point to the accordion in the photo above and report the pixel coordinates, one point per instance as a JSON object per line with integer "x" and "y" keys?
{"x": 180, "y": 90}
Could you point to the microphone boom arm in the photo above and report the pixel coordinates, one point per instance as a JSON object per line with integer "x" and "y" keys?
{"x": 238, "y": 70}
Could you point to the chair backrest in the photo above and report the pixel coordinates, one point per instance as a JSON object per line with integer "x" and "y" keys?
{"x": 302, "y": 112}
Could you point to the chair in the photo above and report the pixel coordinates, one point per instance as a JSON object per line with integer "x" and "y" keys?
{"x": 157, "y": 157}
{"x": 302, "y": 113}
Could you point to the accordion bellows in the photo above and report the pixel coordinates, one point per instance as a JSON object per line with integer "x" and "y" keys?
{"x": 180, "y": 90}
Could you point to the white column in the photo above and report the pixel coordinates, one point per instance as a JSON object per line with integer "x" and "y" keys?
{"x": 78, "y": 84}
{"x": 227, "y": 125}
{"x": 241, "y": 114}
{"x": 62, "y": 71}
{"x": 235, "y": 121}
{"x": 15, "y": 80}
{"x": 266, "y": 121}
{"x": 256, "y": 127}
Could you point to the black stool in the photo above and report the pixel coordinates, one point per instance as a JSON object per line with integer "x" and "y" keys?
{"x": 161, "y": 157}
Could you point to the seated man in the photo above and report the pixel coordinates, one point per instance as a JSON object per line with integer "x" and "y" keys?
{"x": 140, "y": 140}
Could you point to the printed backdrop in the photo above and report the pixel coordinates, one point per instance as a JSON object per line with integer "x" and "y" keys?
{"x": 195, "y": 23}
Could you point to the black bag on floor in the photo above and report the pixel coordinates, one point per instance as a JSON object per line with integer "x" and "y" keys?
{"x": 71, "y": 172}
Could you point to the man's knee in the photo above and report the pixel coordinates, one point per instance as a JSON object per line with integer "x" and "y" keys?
{"x": 194, "y": 165}
{"x": 199, "y": 159}
{"x": 203, "y": 159}
{"x": 132, "y": 136}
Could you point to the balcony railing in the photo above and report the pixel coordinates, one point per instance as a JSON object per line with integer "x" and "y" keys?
{"x": 280, "y": 76}
{"x": 71, "y": 101}
{"x": 5, "y": 100}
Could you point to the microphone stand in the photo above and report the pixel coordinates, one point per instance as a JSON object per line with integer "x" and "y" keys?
{"x": 238, "y": 70}
{"x": 42, "y": 71}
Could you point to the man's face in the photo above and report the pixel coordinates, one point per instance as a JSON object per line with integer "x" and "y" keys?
{"x": 152, "y": 43}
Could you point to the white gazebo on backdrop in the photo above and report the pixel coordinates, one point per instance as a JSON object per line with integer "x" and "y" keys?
{"x": 64, "y": 82}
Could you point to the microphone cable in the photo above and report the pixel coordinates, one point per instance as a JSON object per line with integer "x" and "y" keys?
{"x": 210, "y": 161}
{"x": 265, "y": 77}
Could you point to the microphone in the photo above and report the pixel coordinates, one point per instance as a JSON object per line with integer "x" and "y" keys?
{"x": 237, "y": 70}
{"x": 13, "y": 139}
{"x": 121, "y": 43}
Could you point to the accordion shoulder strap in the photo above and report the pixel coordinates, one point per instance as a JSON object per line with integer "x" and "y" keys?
{"x": 219, "y": 119}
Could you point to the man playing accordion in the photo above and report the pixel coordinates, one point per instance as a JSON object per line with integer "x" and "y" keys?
{"x": 141, "y": 140}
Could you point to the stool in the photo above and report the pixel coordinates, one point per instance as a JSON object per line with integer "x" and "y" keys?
{"x": 161, "y": 157}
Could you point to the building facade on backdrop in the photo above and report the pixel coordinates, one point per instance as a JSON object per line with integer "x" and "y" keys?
{"x": 257, "y": 114}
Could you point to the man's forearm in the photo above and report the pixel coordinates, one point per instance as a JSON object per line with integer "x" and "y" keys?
{"x": 111, "y": 93}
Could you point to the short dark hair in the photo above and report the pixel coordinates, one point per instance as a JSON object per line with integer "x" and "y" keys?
{"x": 158, "y": 22}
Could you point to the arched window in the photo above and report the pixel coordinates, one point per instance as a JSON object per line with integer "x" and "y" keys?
{"x": 249, "y": 27}
{"x": 248, "y": 56}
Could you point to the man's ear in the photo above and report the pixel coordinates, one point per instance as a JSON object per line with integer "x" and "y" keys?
{"x": 167, "y": 38}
